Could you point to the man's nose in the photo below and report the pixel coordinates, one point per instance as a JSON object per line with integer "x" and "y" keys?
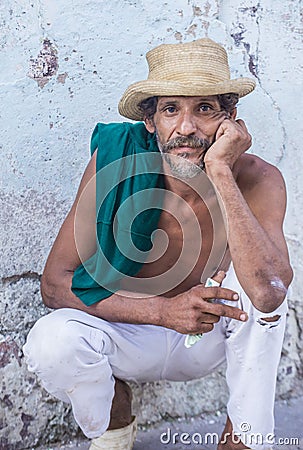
{"x": 186, "y": 125}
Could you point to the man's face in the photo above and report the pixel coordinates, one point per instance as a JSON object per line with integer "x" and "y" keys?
{"x": 186, "y": 127}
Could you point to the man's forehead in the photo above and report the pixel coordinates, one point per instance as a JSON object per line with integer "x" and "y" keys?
{"x": 196, "y": 99}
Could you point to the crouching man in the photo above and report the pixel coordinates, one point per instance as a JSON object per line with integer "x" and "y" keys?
{"x": 172, "y": 259}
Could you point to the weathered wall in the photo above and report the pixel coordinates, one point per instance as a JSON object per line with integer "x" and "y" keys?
{"x": 64, "y": 66}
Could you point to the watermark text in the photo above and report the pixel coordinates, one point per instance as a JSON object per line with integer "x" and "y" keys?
{"x": 196, "y": 438}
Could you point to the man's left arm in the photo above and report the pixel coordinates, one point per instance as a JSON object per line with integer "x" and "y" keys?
{"x": 255, "y": 208}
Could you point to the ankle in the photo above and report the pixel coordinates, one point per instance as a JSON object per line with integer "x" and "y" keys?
{"x": 119, "y": 439}
{"x": 121, "y": 414}
{"x": 229, "y": 440}
{"x": 119, "y": 422}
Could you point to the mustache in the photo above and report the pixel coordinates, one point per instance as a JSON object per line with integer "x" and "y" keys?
{"x": 186, "y": 141}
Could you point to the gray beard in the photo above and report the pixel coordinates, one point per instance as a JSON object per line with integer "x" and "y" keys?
{"x": 180, "y": 165}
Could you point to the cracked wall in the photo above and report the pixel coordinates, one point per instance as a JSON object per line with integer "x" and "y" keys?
{"x": 64, "y": 66}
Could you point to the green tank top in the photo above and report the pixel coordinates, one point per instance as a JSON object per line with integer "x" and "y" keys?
{"x": 129, "y": 188}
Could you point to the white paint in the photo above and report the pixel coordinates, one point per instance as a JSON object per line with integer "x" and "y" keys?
{"x": 277, "y": 283}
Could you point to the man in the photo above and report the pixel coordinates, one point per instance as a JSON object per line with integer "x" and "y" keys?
{"x": 154, "y": 312}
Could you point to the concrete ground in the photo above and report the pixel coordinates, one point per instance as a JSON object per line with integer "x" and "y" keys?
{"x": 167, "y": 435}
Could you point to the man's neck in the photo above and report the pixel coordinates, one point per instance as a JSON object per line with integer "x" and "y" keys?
{"x": 192, "y": 190}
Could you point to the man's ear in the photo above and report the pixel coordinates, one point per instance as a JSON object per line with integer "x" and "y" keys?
{"x": 149, "y": 125}
{"x": 233, "y": 114}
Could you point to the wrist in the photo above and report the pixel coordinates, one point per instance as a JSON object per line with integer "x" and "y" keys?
{"x": 162, "y": 313}
{"x": 215, "y": 169}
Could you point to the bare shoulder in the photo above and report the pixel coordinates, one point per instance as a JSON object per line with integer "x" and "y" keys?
{"x": 263, "y": 187}
{"x": 253, "y": 174}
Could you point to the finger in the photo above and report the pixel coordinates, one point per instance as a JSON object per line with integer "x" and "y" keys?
{"x": 205, "y": 293}
{"x": 225, "y": 125}
{"x": 220, "y": 130}
{"x": 219, "y": 276}
{"x": 227, "y": 311}
{"x": 242, "y": 124}
{"x": 205, "y": 328}
{"x": 209, "y": 318}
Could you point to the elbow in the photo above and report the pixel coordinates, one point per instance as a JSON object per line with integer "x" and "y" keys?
{"x": 272, "y": 292}
{"x": 48, "y": 292}
{"x": 268, "y": 300}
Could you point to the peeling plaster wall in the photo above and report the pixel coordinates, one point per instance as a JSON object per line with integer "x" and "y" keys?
{"x": 64, "y": 66}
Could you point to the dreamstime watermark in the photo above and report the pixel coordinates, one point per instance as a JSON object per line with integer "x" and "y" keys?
{"x": 244, "y": 437}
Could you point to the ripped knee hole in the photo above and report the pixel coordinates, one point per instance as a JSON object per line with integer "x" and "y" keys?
{"x": 271, "y": 319}
{"x": 269, "y": 322}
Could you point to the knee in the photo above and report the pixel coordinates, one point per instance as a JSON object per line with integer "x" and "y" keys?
{"x": 274, "y": 318}
{"x": 269, "y": 322}
{"x": 51, "y": 342}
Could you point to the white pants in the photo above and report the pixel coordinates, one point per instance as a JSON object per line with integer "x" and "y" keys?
{"x": 77, "y": 356}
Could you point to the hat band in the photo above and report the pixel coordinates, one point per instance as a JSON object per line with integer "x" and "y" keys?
{"x": 198, "y": 78}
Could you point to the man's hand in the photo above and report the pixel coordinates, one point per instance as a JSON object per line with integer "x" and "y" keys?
{"x": 232, "y": 139}
{"x": 192, "y": 312}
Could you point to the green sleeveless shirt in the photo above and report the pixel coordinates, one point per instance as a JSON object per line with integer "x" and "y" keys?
{"x": 129, "y": 188}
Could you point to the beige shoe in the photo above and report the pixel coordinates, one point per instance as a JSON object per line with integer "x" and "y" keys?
{"x": 120, "y": 439}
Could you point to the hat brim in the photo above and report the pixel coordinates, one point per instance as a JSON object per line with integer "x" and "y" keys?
{"x": 137, "y": 92}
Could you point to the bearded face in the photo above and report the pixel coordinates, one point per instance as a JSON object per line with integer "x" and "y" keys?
{"x": 185, "y": 128}
{"x": 186, "y": 163}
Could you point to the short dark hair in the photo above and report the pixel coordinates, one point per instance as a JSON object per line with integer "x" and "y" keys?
{"x": 227, "y": 102}
{"x": 148, "y": 107}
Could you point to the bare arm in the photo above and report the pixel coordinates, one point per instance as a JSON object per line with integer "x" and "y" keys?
{"x": 255, "y": 209}
{"x": 189, "y": 312}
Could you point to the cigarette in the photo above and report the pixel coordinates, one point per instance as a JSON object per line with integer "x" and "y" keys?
{"x": 191, "y": 339}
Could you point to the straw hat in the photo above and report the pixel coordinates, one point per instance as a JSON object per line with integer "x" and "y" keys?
{"x": 196, "y": 68}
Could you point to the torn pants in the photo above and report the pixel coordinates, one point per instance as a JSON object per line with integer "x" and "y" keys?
{"x": 76, "y": 356}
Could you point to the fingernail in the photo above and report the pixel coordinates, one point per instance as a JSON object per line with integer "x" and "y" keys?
{"x": 243, "y": 317}
{"x": 236, "y": 297}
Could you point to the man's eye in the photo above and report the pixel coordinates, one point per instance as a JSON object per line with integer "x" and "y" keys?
{"x": 170, "y": 109}
{"x": 205, "y": 108}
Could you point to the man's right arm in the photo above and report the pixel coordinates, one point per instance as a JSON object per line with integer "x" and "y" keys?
{"x": 189, "y": 312}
